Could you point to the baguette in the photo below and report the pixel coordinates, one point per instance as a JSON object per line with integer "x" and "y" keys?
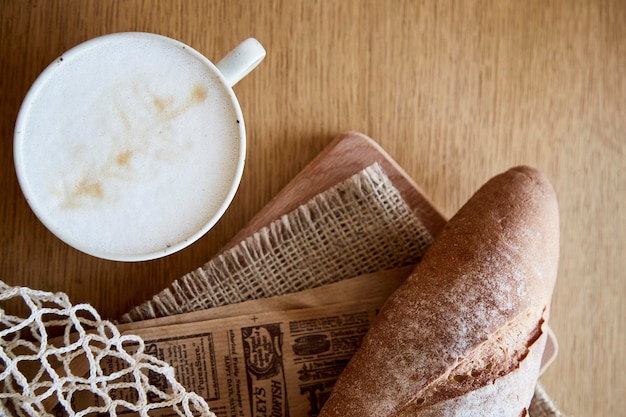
{"x": 463, "y": 335}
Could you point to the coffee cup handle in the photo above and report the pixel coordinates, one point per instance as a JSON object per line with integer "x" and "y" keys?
{"x": 240, "y": 61}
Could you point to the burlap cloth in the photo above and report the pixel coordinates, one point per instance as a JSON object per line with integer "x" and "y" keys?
{"x": 361, "y": 225}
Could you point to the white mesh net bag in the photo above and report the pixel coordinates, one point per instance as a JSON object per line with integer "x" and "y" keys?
{"x": 56, "y": 362}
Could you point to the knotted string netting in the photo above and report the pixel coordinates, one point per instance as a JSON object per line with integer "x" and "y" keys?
{"x": 58, "y": 360}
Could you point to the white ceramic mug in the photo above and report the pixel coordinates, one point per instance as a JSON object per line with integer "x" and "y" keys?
{"x": 131, "y": 146}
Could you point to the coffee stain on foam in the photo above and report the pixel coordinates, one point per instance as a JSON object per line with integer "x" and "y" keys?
{"x": 88, "y": 189}
{"x": 166, "y": 108}
{"x": 198, "y": 94}
{"x": 123, "y": 158}
{"x": 144, "y": 131}
{"x": 86, "y": 192}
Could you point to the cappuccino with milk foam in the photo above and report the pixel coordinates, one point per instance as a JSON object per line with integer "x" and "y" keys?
{"x": 129, "y": 146}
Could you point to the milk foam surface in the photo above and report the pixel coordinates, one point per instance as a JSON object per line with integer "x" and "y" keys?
{"x": 129, "y": 146}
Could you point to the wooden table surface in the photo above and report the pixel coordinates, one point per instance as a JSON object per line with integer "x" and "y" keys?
{"x": 456, "y": 92}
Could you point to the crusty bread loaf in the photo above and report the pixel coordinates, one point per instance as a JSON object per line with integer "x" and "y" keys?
{"x": 462, "y": 336}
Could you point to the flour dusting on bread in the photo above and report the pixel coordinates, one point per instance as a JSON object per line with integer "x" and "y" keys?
{"x": 469, "y": 317}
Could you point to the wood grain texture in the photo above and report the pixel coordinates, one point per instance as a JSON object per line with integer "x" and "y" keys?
{"x": 455, "y": 92}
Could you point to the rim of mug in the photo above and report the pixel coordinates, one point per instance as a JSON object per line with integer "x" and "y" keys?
{"x": 43, "y": 216}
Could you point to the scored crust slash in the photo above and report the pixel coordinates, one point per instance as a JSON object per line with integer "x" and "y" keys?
{"x": 262, "y": 346}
